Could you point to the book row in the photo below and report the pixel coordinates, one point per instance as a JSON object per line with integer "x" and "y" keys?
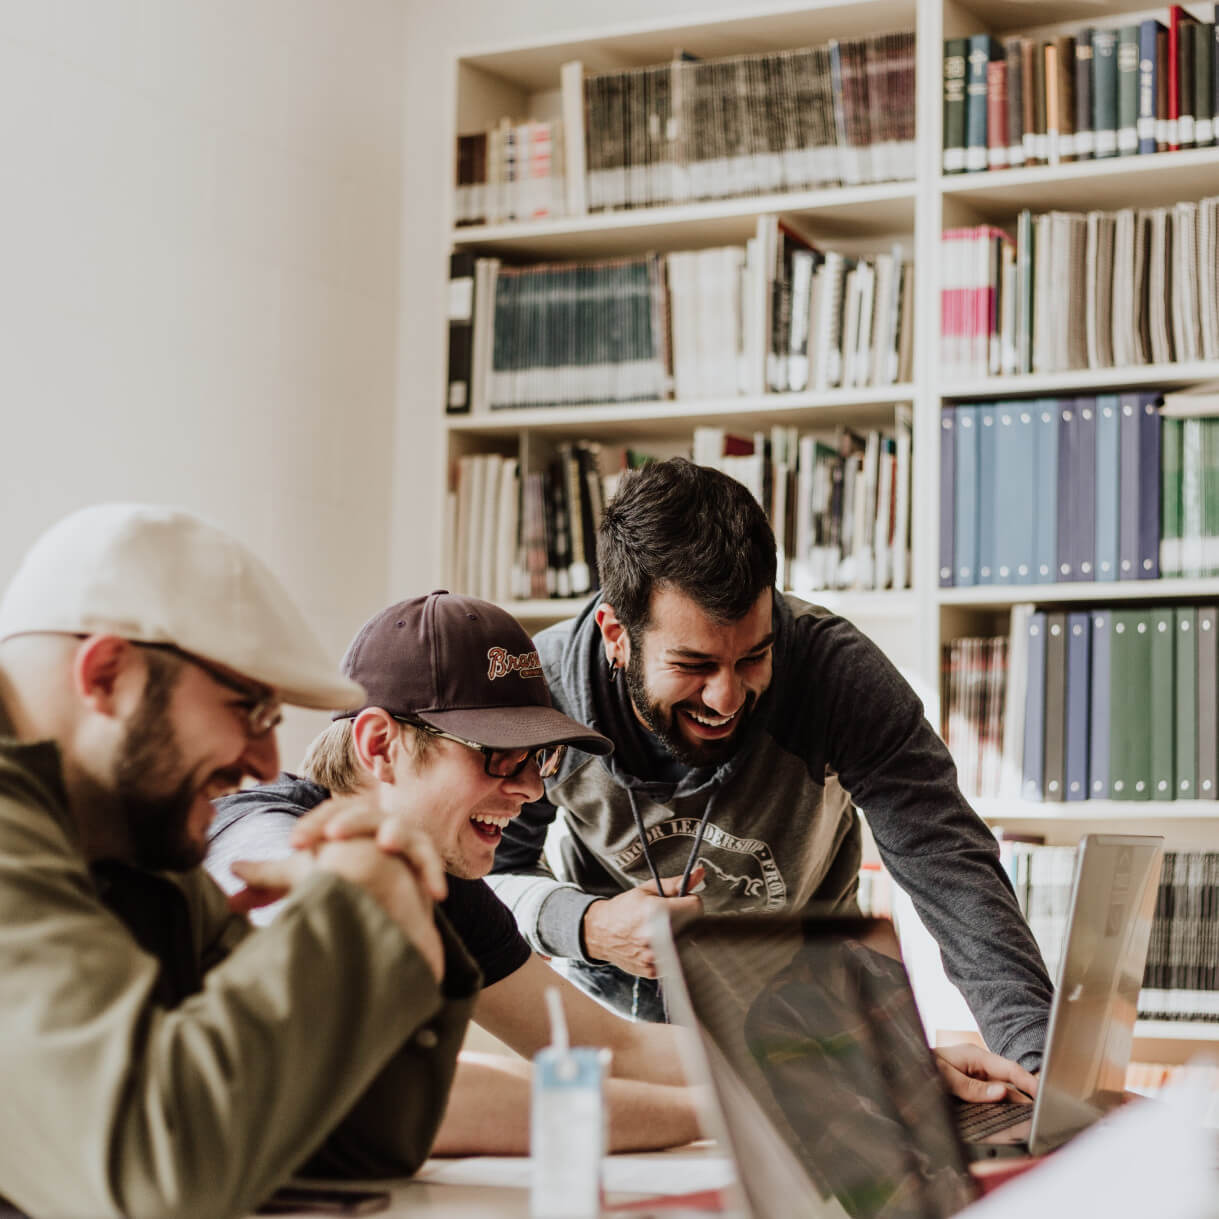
{"x": 690, "y": 129}
{"x": 510, "y": 537}
{"x": 1054, "y": 490}
{"x": 1181, "y": 977}
{"x": 1144, "y": 87}
{"x": 512, "y": 171}
{"x": 839, "y": 503}
{"x": 777, "y": 314}
{"x": 1077, "y": 290}
{"x": 1100, "y": 703}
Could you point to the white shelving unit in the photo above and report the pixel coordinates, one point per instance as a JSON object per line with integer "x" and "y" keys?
{"x": 911, "y": 625}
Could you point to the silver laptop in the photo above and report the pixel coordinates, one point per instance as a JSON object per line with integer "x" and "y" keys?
{"x": 826, "y": 1094}
{"x": 824, "y": 1091}
{"x": 1087, "y": 1051}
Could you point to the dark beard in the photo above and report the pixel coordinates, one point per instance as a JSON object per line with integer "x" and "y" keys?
{"x": 663, "y": 724}
{"x": 155, "y": 809}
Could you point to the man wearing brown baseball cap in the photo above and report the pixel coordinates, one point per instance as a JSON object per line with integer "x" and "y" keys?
{"x": 455, "y": 734}
{"x": 158, "y": 1056}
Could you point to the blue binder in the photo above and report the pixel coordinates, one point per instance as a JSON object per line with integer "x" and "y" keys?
{"x": 1045, "y": 496}
{"x": 965, "y": 532}
{"x": 1149, "y": 486}
{"x": 1033, "y": 767}
{"x": 1108, "y": 481}
{"x": 948, "y": 487}
{"x": 1084, "y": 541}
{"x": 1128, "y": 487}
{"x": 988, "y": 446}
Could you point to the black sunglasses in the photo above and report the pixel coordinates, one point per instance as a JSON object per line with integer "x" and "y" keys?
{"x": 501, "y": 763}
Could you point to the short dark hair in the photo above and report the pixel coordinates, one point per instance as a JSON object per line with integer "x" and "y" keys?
{"x": 673, "y": 524}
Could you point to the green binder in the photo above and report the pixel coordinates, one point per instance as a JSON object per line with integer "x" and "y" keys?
{"x": 1186, "y": 692}
{"x": 1163, "y": 675}
{"x": 1130, "y": 706}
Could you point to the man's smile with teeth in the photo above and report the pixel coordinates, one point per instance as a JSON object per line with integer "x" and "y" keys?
{"x": 499, "y": 822}
{"x": 712, "y": 721}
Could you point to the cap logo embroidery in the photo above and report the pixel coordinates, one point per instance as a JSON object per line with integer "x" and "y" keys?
{"x": 502, "y": 663}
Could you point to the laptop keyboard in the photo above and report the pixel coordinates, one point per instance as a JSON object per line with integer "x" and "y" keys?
{"x": 976, "y": 1119}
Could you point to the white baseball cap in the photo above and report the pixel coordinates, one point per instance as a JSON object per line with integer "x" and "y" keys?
{"x": 161, "y": 575}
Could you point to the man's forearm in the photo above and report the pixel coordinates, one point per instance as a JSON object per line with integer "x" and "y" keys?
{"x": 488, "y": 1111}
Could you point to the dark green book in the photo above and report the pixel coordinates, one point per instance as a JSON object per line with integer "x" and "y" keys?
{"x": 1130, "y": 706}
{"x": 1185, "y": 762}
{"x": 1104, "y": 92}
{"x": 982, "y": 49}
{"x": 1085, "y": 139}
{"x": 1163, "y": 704}
{"x": 1204, "y": 51}
{"x": 1128, "y": 91}
{"x": 954, "y": 104}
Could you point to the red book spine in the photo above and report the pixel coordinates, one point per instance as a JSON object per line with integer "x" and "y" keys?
{"x": 997, "y": 153}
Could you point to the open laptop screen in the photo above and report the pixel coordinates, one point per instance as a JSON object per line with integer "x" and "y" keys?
{"x": 816, "y": 1019}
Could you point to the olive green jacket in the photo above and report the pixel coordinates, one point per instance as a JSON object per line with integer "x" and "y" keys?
{"x": 321, "y": 1040}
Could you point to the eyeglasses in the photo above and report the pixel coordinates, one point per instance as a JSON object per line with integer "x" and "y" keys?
{"x": 501, "y": 763}
{"x": 259, "y": 709}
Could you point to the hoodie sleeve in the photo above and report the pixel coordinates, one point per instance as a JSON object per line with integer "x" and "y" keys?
{"x": 901, "y": 776}
{"x": 549, "y": 913}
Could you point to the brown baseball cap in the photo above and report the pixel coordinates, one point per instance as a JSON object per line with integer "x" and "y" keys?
{"x": 464, "y": 666}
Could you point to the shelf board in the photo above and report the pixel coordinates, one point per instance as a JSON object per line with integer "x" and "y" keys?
{"x": 999, "y": 595}
{"x": 998, "y": 810}
{"x": 669, "y": 418}
{"x": 1083, "y": 380}
{"x": 1177, "y": 1030}
{"x": 849, "y": 211}
{"x": 1149, "y": 181}
{"x": 881, "y": 604}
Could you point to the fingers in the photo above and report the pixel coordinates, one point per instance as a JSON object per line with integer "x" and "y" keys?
{"x": 279, "y": 874}
{"x": 968, "y": 1088}
{"x": 417, "y": 851}
{"x": 973, "y": 1062}
{"x": 253, "y": 898}
{"x": 338, "y": 817}
{"x": 670, "y": 886}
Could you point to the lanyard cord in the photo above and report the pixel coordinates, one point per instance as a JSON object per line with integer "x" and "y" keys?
{"x": 691, "y": 859}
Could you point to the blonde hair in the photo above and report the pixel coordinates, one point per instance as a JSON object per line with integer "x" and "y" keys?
{"x": 331, "y": 760}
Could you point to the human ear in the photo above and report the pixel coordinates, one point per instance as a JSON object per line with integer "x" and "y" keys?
{"x": 99, "y": 665}
{"x": 613, "y": 633}
{"x": 376, "y": 735}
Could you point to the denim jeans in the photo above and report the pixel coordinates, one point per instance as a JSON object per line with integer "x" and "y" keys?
{"x": 638, "y": 998}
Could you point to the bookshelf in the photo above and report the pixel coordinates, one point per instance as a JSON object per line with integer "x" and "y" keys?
{"x": 911, "y": 624}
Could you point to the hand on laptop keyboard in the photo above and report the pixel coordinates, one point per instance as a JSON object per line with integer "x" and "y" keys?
{"x": 975, "y": 1074}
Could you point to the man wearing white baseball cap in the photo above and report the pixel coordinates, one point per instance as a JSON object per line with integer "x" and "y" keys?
{"x": 158, "y": 1057}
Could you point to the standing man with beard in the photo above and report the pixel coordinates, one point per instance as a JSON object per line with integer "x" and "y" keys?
{"x": 158, "y": 1057}
{"x": 748, "y": 728}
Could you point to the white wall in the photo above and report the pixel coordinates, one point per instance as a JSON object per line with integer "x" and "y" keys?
{"x": 199, "y": 221}
{"x": 436, "y": 32}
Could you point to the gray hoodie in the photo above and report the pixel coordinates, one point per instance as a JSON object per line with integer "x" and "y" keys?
{"x": 775, "y": 825}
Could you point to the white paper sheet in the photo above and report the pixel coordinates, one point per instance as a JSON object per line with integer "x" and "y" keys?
{"x": 621, "y": 1174}
{"x": 1153, "y": 1160}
